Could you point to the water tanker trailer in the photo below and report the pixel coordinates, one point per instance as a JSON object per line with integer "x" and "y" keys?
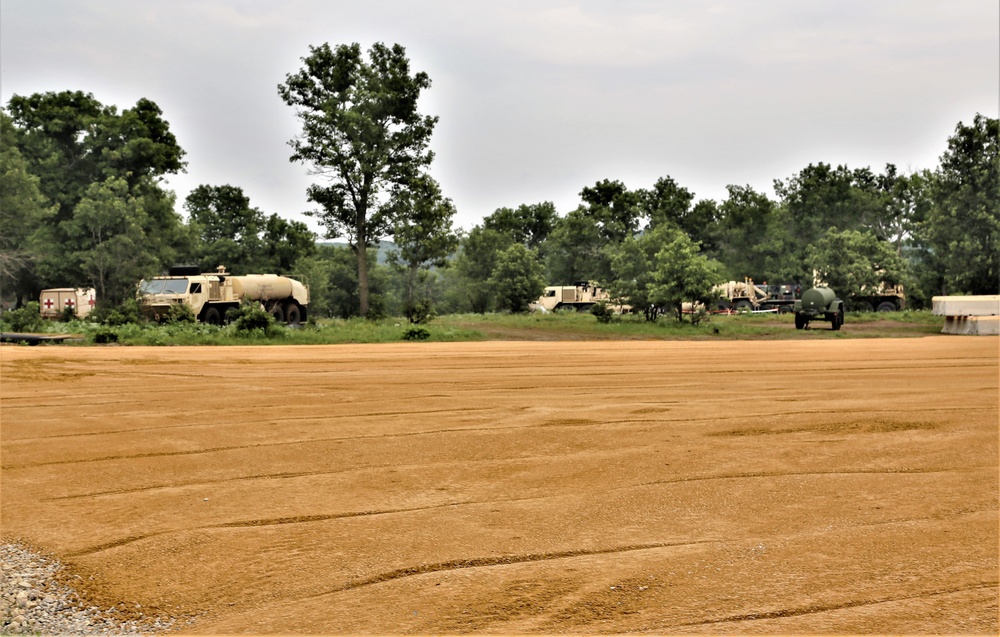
{"x": 819, "y": 304}
{"x": 210, "y": 295}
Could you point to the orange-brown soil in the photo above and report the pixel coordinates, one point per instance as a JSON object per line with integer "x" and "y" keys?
{"x": 584, "y": 487}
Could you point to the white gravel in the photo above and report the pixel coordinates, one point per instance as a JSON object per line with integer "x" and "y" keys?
{"x": 33, "y": 602}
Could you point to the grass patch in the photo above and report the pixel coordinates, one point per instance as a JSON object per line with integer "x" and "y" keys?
{"x": 557, "y": 326}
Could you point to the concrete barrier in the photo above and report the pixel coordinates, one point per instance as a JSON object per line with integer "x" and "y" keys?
{"x": 975, "y": 315}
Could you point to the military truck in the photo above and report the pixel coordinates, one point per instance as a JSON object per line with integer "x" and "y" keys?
{"x": 747, "y": 296}
{"x": 819, "y": 304}
{"x": 211, "y": 295}
{"x": 580, "y": 297}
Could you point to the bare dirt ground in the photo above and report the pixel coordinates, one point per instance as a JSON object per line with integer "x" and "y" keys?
{"x": 845, "y": 486}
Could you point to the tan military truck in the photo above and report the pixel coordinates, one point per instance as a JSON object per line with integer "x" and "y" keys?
{"x": 580, "y": 297}
{"x": 211, "y": 295}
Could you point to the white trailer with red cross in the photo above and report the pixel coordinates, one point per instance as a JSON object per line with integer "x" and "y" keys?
{"x": 55, "y": 301}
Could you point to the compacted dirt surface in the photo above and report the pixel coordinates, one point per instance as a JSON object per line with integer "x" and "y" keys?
{"x": 846, "y": 486}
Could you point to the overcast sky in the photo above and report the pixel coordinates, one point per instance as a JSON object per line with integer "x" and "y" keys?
{"x": 538, "y": 98}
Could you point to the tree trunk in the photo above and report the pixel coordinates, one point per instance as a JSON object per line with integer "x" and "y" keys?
{"x": 362, "y": 252}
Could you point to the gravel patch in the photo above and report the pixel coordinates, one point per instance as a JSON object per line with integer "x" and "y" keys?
{"x": 33, "y": 601}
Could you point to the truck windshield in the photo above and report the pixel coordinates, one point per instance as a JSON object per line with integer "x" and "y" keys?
{"x": 163, "y": 286}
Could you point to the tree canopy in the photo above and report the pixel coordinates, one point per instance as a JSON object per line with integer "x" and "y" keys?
{"x": 362, "y": 134}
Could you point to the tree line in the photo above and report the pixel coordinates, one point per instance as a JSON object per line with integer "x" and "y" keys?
{"x": 83, "y": 204}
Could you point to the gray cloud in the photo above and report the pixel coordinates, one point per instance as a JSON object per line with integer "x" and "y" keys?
{"x": 539, "y": 99}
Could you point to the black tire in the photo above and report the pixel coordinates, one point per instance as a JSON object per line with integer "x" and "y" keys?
{"x": 292, "y": 314}
{"x": 278, "y": 313}
{"x": 743, "y": 307}
{"x": 886, "y": 306}
{"x": 801, "y": 322}
{"x": 784, "y": 309}
{"x": 212, "y": 316}
{"x": 865, "y": 306}
{"x": 838, "y": 320}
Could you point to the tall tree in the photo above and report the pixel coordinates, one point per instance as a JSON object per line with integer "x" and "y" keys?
{"x": 517, "y": 278}
{"x": 855, "y": 262}
{"x": 73, "y": 143}
{"x": 362, "y": 133}
{"x": 228, "y": 228}
{"x": 109, "y": 237}
{"x": 24, "y": 212}
{"x": 424, "y": 238}
{"x": 477, "y": 258}
{"x": 285, "y": 243}
{"x": 961, "y": 232}
{"x": 615, "y": 209}
{"x": 683, "y": 275}
{"x": 757, "y": 240}
{"x": 527, "y": 224}
{"x": 575, "y": 252}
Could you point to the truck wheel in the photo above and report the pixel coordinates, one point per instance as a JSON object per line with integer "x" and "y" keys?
{"x": 743, "y": 307}
{"x": 837, "y": 321}
{"x": 292, "y": 314}
{"x": 801, "y": 322}
{"x": 865, "y": 306}
{"x": 212, "y": 316}
{"x": 886, "y": 306}
{"x": 277, "y": 313}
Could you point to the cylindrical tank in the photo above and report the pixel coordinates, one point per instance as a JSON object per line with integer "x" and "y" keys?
{"x": 259, "y": 287}
{"x": 817, "y": 298}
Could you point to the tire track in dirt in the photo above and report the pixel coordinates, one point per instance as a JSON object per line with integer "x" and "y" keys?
{"x": 244, "y": 423}
{"x": 264, "y": 445}
{"x": 302, "y": 519}
{"x": 501, "y": 560}
{"x": 824, "y": 608}
{"x": 789, "y": 474}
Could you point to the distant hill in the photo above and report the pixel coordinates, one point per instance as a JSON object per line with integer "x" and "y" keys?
{"x": 383, "y": 248}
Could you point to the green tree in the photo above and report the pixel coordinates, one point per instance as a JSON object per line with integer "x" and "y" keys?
{"x": 517, "y": 278}
{"x": 961, "y": 231}
{"x": 854, "y": 262}
{"x": 476, "y": 261}
{"x": 632, "y": 267}
{"x": 227, "y": 227}
{"x": 757, "y": 240}
{"x": 108, "y": 229}
{"x": 424, "y": 239}
{"x": 285, "y": 243}
{"x": 362, "y": 132}
{"x": 682, "y": 275}
{"x": 73, "y": 143}
{"x": 527, "y": 224}
{"x": 574, "y": 250}
{"x": 614, "y": 208}
{"x": 23, "y": 213}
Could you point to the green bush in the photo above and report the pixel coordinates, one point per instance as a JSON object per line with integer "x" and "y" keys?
{"x": 602, "y": 312}
{"x": 105, "y": 335}
{"x": 115, "y": 315}
{"x": 250, "y": 319}
{"x": 416, "y": 334}
{"x": 24, "y": 319}
{"x": 421, "y": 312}
{"x": 180, "y": 313}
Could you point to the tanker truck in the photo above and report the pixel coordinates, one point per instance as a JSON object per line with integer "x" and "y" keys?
{"x": 819, "y": 304}
{"x": 211, "y": 295}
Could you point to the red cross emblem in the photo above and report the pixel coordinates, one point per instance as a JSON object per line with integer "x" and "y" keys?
{"x": 48, "y": 304}
{"x": 91, "y": 301}
{"x": 70, "y": 303}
